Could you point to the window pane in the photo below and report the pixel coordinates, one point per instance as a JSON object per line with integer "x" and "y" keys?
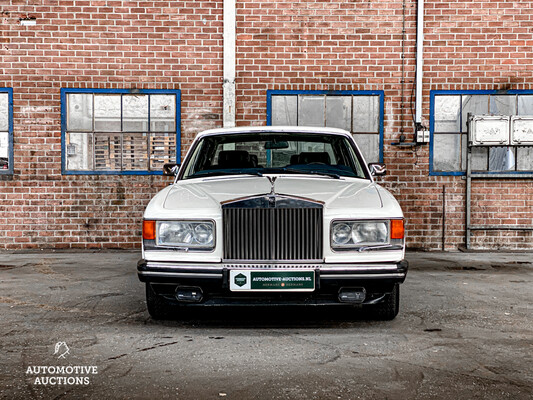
{"x": 162, "y": 149}
{"x": 107, "y": 113}
{"x": 447, "y": 152}
{"x": 524, "y": 158}
{"x": 134, "y": 151}
{"x": 79, "y": 148}
{"x": 135, "y": 113}
{"x": 4, "y": 112}
{"x": 447, "y": 113}
{"x": 339, "y": 112}
{"x": 366, "y": 114}
{"x": 4, "y": 146}
{"x": 503, "y": 105}
{"x": 525, "y": 105}
{"x": 311, "y": 110}
{"x": 162, "y": 113}
{"x": 480, "y": 158}
{"x": 369, "y": 146}
{"x": 284, "y": 110}
{"x": 501, "y": 159}
{"x": 476, "y": 105}
{"x": 80, "y": 112}
{"x": 107, "y": 151}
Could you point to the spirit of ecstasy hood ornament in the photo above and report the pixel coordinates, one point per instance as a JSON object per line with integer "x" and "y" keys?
{"x": 272, "y": 180}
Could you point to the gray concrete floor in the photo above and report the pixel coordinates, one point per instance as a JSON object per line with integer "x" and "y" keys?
{"x": 465, "y": 331}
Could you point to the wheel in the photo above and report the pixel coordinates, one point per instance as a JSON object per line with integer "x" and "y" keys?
{"x": 388, "y": 309}
{"x": 158, "y": 307}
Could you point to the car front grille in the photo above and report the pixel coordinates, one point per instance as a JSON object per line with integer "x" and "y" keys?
{"x": 279, "y": 234}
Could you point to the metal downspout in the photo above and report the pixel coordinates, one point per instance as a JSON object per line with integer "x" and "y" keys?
{"x": 419, "y": 61}
{"x": 229, "y": 65}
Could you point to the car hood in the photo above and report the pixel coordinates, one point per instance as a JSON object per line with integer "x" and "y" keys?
{"x": 203, "y": 197}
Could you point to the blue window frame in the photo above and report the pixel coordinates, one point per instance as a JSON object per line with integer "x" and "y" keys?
{"x": 358, "y": 112}
{"x": 119, "y": 131}
{"x": 448, "y": 131}
{"x": 6, "y": 131}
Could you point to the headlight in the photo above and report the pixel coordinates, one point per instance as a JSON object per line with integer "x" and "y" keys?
{"x": 346, "y": 234}
{"x": 189, "y": 234}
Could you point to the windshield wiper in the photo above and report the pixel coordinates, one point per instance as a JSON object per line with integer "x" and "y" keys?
{"x": 208, "y": 173}
{"x": 311, "y": 172}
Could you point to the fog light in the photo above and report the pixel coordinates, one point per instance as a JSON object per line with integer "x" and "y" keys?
{"x": 352, "y": 295}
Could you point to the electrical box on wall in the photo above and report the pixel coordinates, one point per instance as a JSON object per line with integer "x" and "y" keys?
{"x": 522, "y": 130}
{"x": 422, "y": 136}
{"x": 490, "y": 130}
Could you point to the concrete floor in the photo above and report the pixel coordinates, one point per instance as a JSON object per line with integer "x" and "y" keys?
{"x": 465, "y": 331}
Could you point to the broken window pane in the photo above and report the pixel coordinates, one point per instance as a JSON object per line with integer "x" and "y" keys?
{"x": 447, "y": 152}
{"x": 503, "y": 105}
{"x": 366, "y": 114}
{"x": 162, "y": 113}
{"x": 107, "y": 151}
{"x": 162, "y": 149}
{"x": 501, "y": 159}
{"x": 107, "y": 111}
{"x": 447, "y": 113}
{"x": 311, "y": 111}
{"x": 525, "y": 105}
{"x": 4, "y": 112}
{"x": 369, "y": 146}
{"x": 475, "y": 105}
{"x": 339, "y": 112}
{"x": 524, "y": 158}
{"x": 135, "y": 113}
{"x": 284, "y": 110}
{"x": 80, "y": 112}
{"x": 79, "y": 149}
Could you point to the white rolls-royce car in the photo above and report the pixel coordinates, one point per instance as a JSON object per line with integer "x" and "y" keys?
{"x": 273, "y": 216}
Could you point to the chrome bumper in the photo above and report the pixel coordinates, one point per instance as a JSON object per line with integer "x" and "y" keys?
{"x": 149, "y": 271}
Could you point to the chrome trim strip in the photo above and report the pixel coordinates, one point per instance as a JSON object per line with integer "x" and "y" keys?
{"x": 179, "y": 275}
{"x": 361, "y": 276}
{"x": 322, "y": 267}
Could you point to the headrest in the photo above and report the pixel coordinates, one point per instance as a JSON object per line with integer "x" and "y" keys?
{"x": 312, "y": 157}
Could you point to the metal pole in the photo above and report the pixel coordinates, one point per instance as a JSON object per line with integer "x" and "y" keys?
{"x": 468, "y": 184}
{"x": 419, "y": 60}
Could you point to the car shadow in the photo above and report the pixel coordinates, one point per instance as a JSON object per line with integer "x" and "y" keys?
{"x": 253, "y": 317}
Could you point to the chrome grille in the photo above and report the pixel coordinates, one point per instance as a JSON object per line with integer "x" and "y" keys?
{"x": 272, "y": 233}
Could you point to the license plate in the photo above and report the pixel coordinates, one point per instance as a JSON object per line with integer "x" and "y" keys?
{"x": 271, "y": 281}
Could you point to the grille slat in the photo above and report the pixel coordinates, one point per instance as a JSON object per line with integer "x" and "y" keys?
{"x": 272, "y": 234}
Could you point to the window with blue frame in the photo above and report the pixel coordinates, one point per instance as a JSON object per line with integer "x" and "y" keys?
{"x": 448, "y": 124}
{"x": 358, "y": 112}
{"x": 6, "y": 131}
{"x": 119, "y": 131}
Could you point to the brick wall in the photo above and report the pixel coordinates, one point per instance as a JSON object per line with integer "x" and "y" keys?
{"x": 322, "y": 45}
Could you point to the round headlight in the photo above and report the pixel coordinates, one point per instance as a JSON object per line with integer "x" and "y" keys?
{"x": 203, "y": 234}
{"x": 341, "y": 233}
{"x": 370, "y": 232}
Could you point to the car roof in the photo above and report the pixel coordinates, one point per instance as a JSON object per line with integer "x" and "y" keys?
{"x": 275, "y": 129}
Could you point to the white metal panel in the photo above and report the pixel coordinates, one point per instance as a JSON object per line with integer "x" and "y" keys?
{"x": 490, "y": 130}
{"x": 522, "y": 130}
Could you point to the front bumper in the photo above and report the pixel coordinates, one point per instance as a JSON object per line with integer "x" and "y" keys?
{"x": 177, "y": 272}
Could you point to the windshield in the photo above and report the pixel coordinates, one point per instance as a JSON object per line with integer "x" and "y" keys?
{"x": 263, "y": 153}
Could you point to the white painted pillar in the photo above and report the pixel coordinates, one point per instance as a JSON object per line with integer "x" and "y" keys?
{"x": 419, "y": 60}
{"x": 229, "y": 64}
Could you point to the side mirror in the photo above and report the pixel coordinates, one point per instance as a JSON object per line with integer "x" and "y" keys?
{"x": 377, "y": 169}
{"x": 171, "y": 169}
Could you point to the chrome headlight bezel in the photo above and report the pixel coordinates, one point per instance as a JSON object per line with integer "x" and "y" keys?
{"x": 379, "y": 234}
{"x": 191, "y": 228}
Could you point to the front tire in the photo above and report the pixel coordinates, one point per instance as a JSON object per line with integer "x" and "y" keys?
{"x": 158, "y": 307}
{"x": 389, "y": 308}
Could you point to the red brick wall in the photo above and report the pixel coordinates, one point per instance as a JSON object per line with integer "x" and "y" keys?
{"x": 323, "y": 45}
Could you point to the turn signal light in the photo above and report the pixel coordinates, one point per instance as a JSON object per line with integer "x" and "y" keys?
{"x": 149, "y": 230}
{"x": 397, "y": 230}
